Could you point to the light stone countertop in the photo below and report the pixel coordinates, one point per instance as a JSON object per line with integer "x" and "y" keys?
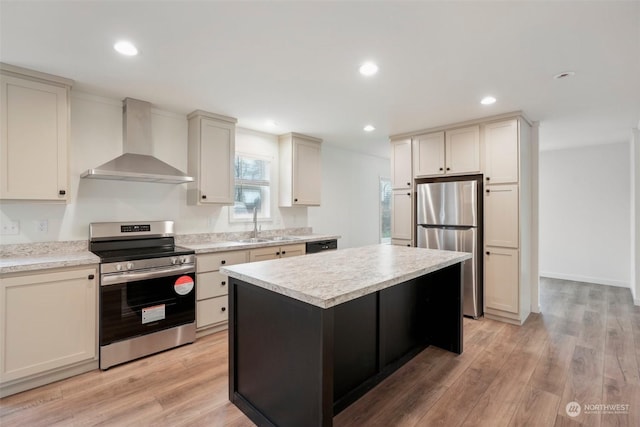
{"x": 222, "y": 246}
{"x": 330, "y": 278}
{"x": 30, "y": 263}
{"x": 47, "y": 255}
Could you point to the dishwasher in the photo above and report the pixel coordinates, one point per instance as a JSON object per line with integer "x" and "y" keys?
{"x": 322, "y": 245}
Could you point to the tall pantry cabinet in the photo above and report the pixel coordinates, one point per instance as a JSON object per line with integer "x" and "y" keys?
{"x": 507, "y": 219}
{"x": 499, "y": 148}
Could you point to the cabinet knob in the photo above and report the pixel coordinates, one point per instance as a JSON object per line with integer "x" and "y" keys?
{"x": 408, "y": 194}
{"x": 91, "y": 277}
{"x": 62, "y": 192}
{"x": 295, "y": 200}
{"x": 488, "y": 191}
{"x": 277, "y": 253}
{"x": 488, "y": 253}
{"x": 224, "y": 309}
{"x": 488, "y": 178}
{"x": 441, "y": 169}
{"x": 448, "y": 169}
{"x": 409, "y": 244}
{"x": 223, "y": 283}
{"x": 223, "y": 262}
{"x": 284, "y": 252}
{"x": 409, "y": 184}
{"x": 204, "y": 196}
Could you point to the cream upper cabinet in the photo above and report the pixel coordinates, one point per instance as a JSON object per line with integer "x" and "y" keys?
{"x": 501, "y": 280}
{"x": 455, "y": 151}
{"x": 501, "y": 216}
{"x": 501, "y": 152}
{"x": 211, "y": 158}
{"x": 401, "y": 222}
{"x": 401, "y": 176}
{"x": 34, "y": 141}
{"x": 463, "y": 150}
{"x": 300, "y": 170}
{"x": 48, "y": 321}
{"x": 428, "y": 154}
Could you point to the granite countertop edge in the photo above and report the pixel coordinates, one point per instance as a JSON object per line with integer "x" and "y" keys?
{"x": 347, "y": 296}
{"x": 224, "y": 246}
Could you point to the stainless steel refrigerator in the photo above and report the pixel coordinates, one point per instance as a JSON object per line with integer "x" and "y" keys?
{"x": 448, "y": 217}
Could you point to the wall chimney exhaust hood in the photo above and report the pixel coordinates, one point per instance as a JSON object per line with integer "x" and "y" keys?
{"x": 137, "y": 163}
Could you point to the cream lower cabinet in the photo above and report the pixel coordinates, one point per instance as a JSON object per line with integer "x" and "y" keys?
{"x": 48, "y": 326}
{"x": 401, "y": 218}
{"x": 501, "y": 279}
{"x": 212, "y": 289}
{"x": 275, "y": 252}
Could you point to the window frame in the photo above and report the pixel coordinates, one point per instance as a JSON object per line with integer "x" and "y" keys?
{"x": 258, "y": 183}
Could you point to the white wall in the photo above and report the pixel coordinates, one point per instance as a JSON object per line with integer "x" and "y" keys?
{"x": 96, "y": 137}
{"x": 584, "y": 214}
{"x": 635, "y": 214}
{"x": 350, "y": 196}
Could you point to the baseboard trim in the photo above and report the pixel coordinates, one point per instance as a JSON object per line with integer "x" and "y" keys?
{"x": 586, "y": 279}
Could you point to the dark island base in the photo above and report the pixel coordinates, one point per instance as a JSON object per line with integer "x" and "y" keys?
{"x": 295, "y": 364}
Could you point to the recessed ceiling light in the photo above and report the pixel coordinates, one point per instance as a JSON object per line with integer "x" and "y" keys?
{"x": 271, "y": 123}
{"x": 564, "y": 74}
{"x": 368, "y": 69}
{"x": 369, "y": 128}
{"x": 488, "y": 100}
{"x": 125, "y": 48}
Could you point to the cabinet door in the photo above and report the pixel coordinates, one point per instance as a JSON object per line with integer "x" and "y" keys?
{"x": 212, "y": 311}
{"x": 463, "y": 150}
{"x": 217, "y": 154}
{"x": 34, "y": 140}
{"x": 501, "y": 215}
{"x": 48, "y": 321}
{"x": 501, "y": 152}
{"x": 307, "y": 173}
{"x": 501, "y": 279}
{"x": 428, "y": 154}
{"x": 292, "y": 250}
{"x": 401, "y": 164}
{"x": 401, "y": 223}
{"x": 263, "y": 254}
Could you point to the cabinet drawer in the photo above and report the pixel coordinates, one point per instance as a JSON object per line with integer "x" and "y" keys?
{"x": 211, "y": 311}
{"x": 211, "y": 284}
{"x": 212, "y": 262}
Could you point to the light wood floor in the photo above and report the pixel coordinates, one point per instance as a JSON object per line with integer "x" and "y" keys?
{"x": 585, "y": 347}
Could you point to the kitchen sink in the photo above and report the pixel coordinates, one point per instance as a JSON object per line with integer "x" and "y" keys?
{"x": 254, "y": 240}
{"x": 283, "y": 238}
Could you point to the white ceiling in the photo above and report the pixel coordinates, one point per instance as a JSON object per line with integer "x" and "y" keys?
{"x": 297, "y": 62}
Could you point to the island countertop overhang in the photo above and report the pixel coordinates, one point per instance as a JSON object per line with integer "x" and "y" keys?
{"x": 330, "y": 278}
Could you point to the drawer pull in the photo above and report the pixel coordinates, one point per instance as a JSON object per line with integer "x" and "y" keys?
{"x": 223, "y": 262}
{"x": 277, "y": 253}
{"x": 223, "y": 283}
{"x": 62, "y": 192}
{"x": 91, "y": 277}
{"x": 223, "y": 309}
{"x": 488, "y": 253}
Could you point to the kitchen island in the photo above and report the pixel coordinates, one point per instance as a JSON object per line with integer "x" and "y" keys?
{"x": 309, "y": 335}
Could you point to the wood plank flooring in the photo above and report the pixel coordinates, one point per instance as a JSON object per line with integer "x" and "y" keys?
{"x": 585, "y": 347}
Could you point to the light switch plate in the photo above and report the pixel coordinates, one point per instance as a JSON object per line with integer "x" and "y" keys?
{"x": 43, "y": 225}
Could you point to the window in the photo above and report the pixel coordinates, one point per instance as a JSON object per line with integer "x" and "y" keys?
{"x": 385, "y": 210}
{"x": 252, "y": 187}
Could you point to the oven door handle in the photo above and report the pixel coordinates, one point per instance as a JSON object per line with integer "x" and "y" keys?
{"x": 127, "y": 276}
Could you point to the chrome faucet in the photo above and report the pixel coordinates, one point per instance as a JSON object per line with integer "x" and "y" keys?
{"x": 255, "y": 222}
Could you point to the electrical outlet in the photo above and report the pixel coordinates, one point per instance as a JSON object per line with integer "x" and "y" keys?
{"x": 10, "y": 228}
{"x": 43, "y": 225}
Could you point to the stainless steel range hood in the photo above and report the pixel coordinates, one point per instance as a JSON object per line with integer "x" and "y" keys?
{"x": 137, "y": 163}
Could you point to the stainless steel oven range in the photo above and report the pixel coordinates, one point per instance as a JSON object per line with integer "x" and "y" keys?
{"x": 147, "y": 290}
